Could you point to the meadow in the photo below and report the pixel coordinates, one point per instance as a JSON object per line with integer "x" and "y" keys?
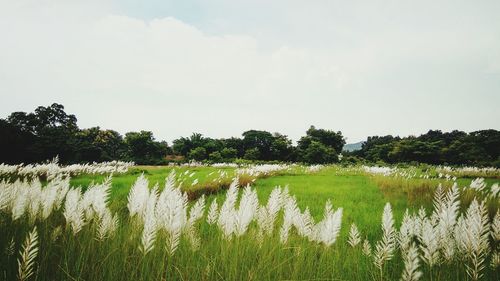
{"x": 274, "y": 222}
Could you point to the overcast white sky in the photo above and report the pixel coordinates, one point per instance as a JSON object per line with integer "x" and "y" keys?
{"x": 225, "y": 66}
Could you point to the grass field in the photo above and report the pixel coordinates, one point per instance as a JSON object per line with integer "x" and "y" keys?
{"x": 64, "y": 256}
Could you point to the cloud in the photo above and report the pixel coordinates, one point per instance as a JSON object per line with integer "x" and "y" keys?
{"x": 360, "y": 72}
{"x": 162, "y": 74}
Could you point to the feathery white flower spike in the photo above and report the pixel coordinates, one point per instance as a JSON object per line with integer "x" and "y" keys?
{"x": 429, "y": 243}
{"x": 213, "y": 212}
{"x": 28, "y": 254}
{"x": 327, "y": 230}
{"x": 246, "y": 211}
{"x": 195, "y": 214}
{"x": 384, "y": 249}
{"x": 411, "y": 272}
{"x": 472, "y": 233}
{"x": 354, "y": 236}
{"x": 107, "y": 225}
{"x": 150, "y": 229}
{"x": 73, "y": 210}
{"x": 138, "y": 196}
{"x": 227, "y": 213}
{"x": 171, "y": 213}
{"x": 367, "y": 248}
{"x": 495, "y": 227}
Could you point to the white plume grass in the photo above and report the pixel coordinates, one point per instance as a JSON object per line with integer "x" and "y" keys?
{"x": 28, "y": 254}
{"x": 411, "y": 262}
{"x": 354, "y": 236}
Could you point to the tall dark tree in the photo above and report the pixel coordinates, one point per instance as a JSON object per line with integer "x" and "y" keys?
{"x": 318, "y": 153}
{"x": 143, "y": 149}
{"x": 236, "y": 144}
{"x": 53, "y": 129}
{"x": 16, "y": 146}
{"x": 281, "y": 148}
{"x": 94, "y": 144}
{"x": 259, "y": 140}
{"x": 316, "y": 140}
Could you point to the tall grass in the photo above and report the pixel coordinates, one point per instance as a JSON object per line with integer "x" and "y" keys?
{"x": 58, "y": 232}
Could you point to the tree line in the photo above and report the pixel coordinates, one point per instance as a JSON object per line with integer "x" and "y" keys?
{"x": 50, "y": 131}
{"x": 479, "y": 148}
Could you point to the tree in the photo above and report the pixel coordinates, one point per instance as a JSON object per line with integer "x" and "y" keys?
{"x": 49, "y": 131}
{"x": 236, "y": 144}
{"x": 44, "y": 118}
{"x": 317, "y": 140}
{"x": 16, "y": 145}
{"x": 215, "y": 157}
{"x": 412, "y": 149}
{"x": 54, "y": 131}
{"x": 252, "y": 154}
{"x": 281, "y": 148}
{"x": 111, "y": 144}
{"x": 212, "y": 145}
{"x": 318, "y": 153}
{"x": 143, "y": 149}
{"x": 377, "y": 148}
{"x": 85, "y": 148}
{"x": 229, "y": 154}
{"x": 329, "y": 138}
{"x": 94, "y": 144}
{"x": 198, "y": 154}
{"x": 259, "y": 140}
{"x": 182, "y": 146}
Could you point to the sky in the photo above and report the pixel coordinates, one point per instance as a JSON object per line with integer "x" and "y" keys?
{"x": 226, "y": 66}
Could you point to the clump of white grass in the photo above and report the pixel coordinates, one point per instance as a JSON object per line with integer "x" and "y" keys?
{"x": 327, "y": 230}
{"x": 266, "y": 215}
{"x": 472, "y": 233}
{"x": 171, "y": 213}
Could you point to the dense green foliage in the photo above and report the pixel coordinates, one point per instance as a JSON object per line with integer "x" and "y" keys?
{"x": 50, "y": 132}
{"x": 479, "y": 148}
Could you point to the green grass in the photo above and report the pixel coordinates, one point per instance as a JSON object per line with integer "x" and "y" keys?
{"x": 356, "y": 194}
{"x": 122, "y": 183}
{"x": 361, "y": 197}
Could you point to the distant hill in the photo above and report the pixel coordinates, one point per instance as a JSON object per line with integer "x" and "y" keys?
{"x": 353, "y": 146}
